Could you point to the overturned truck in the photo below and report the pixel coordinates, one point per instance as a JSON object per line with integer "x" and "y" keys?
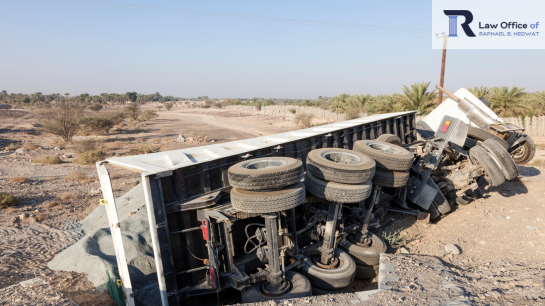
{"x": 291, "y": 215}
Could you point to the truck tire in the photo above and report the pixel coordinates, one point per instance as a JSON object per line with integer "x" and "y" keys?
{"x": 340, "y": 166}
{"x": 266, "y": 173}
{"x": 319, "y": 291}
{"x": 330, "y": 279}
{"x": 434, "y": 212}
{"x": 300, "y": 287}
{"x": 424, "y": 129}
{"x": 268, "y": 201}
{"x": 482, "y": 135}
{"x": 502, "y": 158}
{"x": 526, "y": 152}
{"x": 493, "y": 174}
{"x": 336, "y": 192}
{"x": 470, "y": 143}
{"x": 366, "y": 272}
{"x": 390, "y": 138}
{"x": 365, "y": 256}
{"x": 386, "y": 155}
{"x": 390, "y": 178}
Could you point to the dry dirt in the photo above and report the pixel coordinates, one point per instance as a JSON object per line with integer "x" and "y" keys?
{"x": 504, "y": 230}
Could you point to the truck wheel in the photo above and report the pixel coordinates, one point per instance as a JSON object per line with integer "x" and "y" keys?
{"x": 493, "y": 174}
{"x": 525, "y": 153}
{"x": 470, "y": 143}
{"x": 268, "y": 201}
{"x": 386, "y": 155}
{"x": 366, "y": 272}
{"x": 337, "y": 192}
{"x": 349, "y": 288}
{"x": 266, "y": 173}
{"x": 502, "y": 158}
{"x": 483, "y": 135}
{"x": 365, "y": 256}
{"x": 511, "y": 138}
{"x": 390, "y": 178}
{"x": 300, "y": 287}
{"x": 390, "y": 138}
{"x": 340, "y": 166}
{"x": 424, "y": 129}
{"x": 434, "y": 212}
{"x": 330, "y": 279}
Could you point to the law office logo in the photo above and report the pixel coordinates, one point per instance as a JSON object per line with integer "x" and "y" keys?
{"x": 453, "y": 22}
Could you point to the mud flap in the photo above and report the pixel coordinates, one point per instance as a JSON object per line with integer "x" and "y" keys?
{"x": 439, "y": 201}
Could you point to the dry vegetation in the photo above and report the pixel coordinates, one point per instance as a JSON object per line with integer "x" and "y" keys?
{"x": 77, "y": 176}
{"x": 304, "y": 120}
{"x": 48, "y": 160}
{"x": 68, "y": 196}
{"x": 18, "y": 179}
{"x": 7, "y": 200}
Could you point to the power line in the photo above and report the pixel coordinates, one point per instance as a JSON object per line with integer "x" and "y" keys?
{"x": 171, "y": 10}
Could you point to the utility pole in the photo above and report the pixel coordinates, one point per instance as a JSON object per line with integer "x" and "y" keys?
{"x": 442, "y": 80}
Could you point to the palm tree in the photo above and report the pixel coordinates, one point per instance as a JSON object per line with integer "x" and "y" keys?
{"x": 479, "y": 91}
{"x": 418, "y": 98}
{"x": 359, "y": 101}
{"x": 508, "y": 102}
{"x": 339, "y": 103}
{"x": 387, "y": 104}
{"x": 539, "y": 104}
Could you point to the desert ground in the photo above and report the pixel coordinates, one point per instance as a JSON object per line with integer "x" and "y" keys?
{"x": 500, "y": 236}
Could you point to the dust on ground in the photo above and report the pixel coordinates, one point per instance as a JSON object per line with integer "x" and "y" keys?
{"x": 501, "y": 232}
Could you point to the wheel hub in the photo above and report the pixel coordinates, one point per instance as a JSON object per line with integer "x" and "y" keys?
{"x": 365, "y": 242}
{"x": 333, "y": 263}
{"x": 267, "y": 289}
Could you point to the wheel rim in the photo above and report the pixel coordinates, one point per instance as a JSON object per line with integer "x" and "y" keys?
{"x": 264, "y": 164}
{"x": 520, "y": 152}
{"x": 267, "y": 290}
{"x": 334, "y": 263}
{"x": 341, "y": 157}
{"x": 384, "y": 148}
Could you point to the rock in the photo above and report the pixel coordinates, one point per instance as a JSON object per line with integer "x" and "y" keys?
{"x": 21, "y": 150}
{"x": 403, "y": 251}
{"x": 272, "y": 303}
{"x": 16, "y": 219}
{"x": 180, "y": 138}
{"x": 452, "y": 249}
{"x": 56, "y": 148}
{"x": 24, "y": 216}
{"x": 494, "y": 293}
{"x": 190, "y": 139}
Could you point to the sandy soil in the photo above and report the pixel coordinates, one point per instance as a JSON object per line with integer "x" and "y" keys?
{"x": 506, "y": 227}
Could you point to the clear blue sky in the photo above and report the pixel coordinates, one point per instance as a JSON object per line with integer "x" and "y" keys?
{"x": 52, "y": 46}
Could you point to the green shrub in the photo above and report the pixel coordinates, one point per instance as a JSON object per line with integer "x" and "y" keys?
{"x": 49, "y": 160}
{"x": 90, "y": 157}
{"x": 7, "y": 200}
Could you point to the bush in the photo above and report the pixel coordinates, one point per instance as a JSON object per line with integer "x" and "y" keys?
{"x": 50, "y": 160}
{"x": 76, "y": 176}
{"x": 116, "y": 117}
{"x": 7, "y": 200}
{"x": 149, "y": 114}
{"x": 352, "y": 113}
{"x": 133, "y": 111}
{"x": 168, "y": 106}
{"x": 95, "y": 107}
{"x": 18, "y": 179}
{"x": 62, "y": 120}
{"x": 90, "y": 157}
{"x": 96, "y": 125}
{"x": 68, "y": 196}
{"x": 32, "y": 146}
{"x": 85, "y": 145}
{"x": 292, "y": 110}
{"x": 140, "y": 150}
{"x": 13, "y": 146}
{"x": 303, "y": 120}
{"x": 159, "y": 107}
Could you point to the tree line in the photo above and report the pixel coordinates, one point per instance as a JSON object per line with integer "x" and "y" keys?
{"x": 38, "y": 98}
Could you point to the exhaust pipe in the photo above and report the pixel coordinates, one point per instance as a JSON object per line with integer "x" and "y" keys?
{"x": 473, "y": 112}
